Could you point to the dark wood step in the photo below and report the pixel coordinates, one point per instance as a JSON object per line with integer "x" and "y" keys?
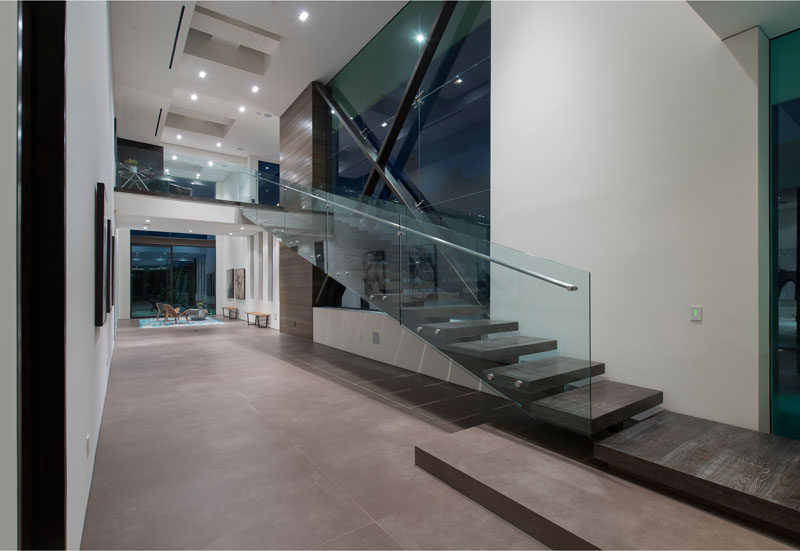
{"x": 592, "y": 408}
{"x": 438, "y": 311}
{"x": 466, "y": 328}
{"x": 416, "y": 298}
{"x": 539, "y": 375}
{"x": 736, "y": 470}
{"x": 501, "y": 348}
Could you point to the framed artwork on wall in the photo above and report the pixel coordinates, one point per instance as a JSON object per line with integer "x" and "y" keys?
{"x": 374, "y": 272}
{"x": 100, "y": 253}
{"x": 113, "y": 268}
{"x": 229, "y": 273}
{"x": 109, "y": 264}
{"x": 238, "y": 283}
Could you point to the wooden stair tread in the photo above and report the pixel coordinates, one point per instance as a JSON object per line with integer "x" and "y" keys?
{"x": 538, "y": 375}
{"x": 501, "y": 348}
{"x": 592, "y": 408}
{"x": 466, "y": 328}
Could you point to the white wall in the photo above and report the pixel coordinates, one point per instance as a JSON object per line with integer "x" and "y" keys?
{"x": 8, "y": 277}
{"x": 253, "y": 254}
{"x": 625, "y": 141}
{"x": 90, "y": 159}
{"x": 352, "y": 331}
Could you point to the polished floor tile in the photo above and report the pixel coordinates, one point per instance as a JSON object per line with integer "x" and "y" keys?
{"x": 232, "y": 437}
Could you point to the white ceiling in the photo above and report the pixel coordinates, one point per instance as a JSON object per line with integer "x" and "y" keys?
{"x": 727, "y": 18}
{"x": 142, "y": 36}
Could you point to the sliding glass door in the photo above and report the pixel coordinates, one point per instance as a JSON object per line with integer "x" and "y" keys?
{"x": 149, "y": 278}
{"x": 173, "y": 272}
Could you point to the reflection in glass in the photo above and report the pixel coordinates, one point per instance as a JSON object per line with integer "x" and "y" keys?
{"x": 182, "y": 276}
{"x": 785, "y": 181}
{"x": 149, "y": 276}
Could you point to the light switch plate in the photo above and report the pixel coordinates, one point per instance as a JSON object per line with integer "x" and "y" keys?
{"x": 376, "y": 337}
{"x": 696, "y": 312}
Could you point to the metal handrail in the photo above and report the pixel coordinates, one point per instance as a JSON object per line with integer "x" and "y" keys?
{"x": 401, "y": 228}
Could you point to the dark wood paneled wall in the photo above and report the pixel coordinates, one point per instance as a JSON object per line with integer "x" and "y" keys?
{"x": 303, "y": 158}
{"x": 296, "y": 282}
{"x": 303, "y": 162}
{"x": 300, "y": 282}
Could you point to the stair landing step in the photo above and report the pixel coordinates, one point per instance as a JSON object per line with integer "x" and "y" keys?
{"x": 539, "y": 375}
{"x": 610, "y": 402}
{"x": 501, "y": 348}
{"x": 738, "y": 470}
{"x": 466, "y": 328}
{"x": 570, "y": 505}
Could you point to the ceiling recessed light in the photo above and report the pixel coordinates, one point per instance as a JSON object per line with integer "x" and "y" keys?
{"x": 458, "y": 81}
{"x": 145, "y": 227}
{"x": 179, "y": 137}
{"x": 384, "y": 124}
{"x": 420, "y": 37}
{"x": 241, "y": 228}
{"x": 254, "y": 89}
{"x": 241, "y": 109}
{"x": 191, "y": 231}
{"x": 210, "y": 163}
{"x": 197, "y": 175}
{"x": 166, "y": 171}
{"x": 230, "y": 233}
{"x": 193, "y": 97}
{"x": 219, "y": 144}
{"x": 202, "y": 74}
{"x": 147, "y": 221}
{"x": 303, "y": 15}
{"x": 174, "y": 157}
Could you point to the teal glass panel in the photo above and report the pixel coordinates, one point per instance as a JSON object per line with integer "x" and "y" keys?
{"x": 785, "y": 182}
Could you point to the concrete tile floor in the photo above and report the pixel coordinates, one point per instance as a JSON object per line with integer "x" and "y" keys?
{"x": 236, "y": 437}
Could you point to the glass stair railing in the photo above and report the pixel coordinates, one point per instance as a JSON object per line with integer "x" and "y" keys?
{"x": 518, "y": 323}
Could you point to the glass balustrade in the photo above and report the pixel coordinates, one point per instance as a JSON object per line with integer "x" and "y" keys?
{"x": 516, "y": 322}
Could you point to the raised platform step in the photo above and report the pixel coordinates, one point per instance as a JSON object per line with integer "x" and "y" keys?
{"x": 540, "y": 375}
{"x": 592, "y": 408}
{"x": 466, "y": 328}
{"x": 569, "y": 505}
{"x": 501, "y": 348}
{"x": 747, "y": 473}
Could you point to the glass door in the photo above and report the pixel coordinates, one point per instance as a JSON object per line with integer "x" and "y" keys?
{"x": 183, "y": 276}
{"x": 193, "y": 278}
{"x": 149, "y": 278}
{"x": 785, "y": 235}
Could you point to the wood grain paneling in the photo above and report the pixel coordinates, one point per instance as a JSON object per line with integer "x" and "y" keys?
{"x": 303, "y": 159}
{"x": 304, "y": 128}
{"x": 296, "y": 294}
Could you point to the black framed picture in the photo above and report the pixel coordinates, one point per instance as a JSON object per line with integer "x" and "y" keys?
{"x": 113, "y": 268}
{"x": 100, "y": 253}
{"x": 109, "y": 264}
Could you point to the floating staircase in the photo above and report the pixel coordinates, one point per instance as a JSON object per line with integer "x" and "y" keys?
{"x": 447, "y": 294}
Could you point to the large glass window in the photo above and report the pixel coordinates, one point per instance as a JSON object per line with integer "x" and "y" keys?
{"x": 442, "y": 154}
{"x": 785, "y": 182}
{"x": 177, "y": 273}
